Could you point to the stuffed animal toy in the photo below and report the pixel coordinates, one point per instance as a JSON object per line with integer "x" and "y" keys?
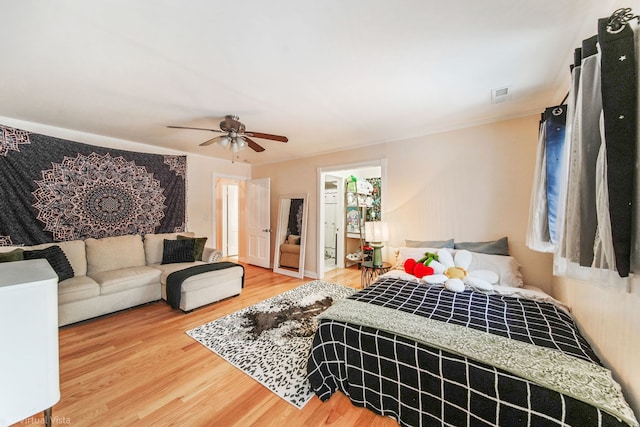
{"x": 422, "y": 267}
{"x": 456, "y": 275}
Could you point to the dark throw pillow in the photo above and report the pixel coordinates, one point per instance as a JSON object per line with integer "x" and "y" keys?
{"x": 177, "y": 251}
{"x": 496, "y": 247}
{"x": 14, "y": 255}
{"x": 56, "y": 258}
{"x": 198, "y": 245}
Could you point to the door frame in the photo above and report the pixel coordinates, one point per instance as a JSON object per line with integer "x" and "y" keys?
{"x": 333, "y": 170}
{"x": 215, "y": 177}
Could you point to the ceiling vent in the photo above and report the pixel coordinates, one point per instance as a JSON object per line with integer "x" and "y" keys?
{"x": 500, "y": 95}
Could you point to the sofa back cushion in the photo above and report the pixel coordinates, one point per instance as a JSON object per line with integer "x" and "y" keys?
{"x": 74, "y": 250}
{"x": 114, "y": 253}
{"x": 154, "y": 245}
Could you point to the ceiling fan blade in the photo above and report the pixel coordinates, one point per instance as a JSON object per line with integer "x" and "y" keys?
{"x": 212, "y": 140}
{"x": 253, "y": 145}
{"x": 187, "y": 127}
{"x": 267, "y": 136}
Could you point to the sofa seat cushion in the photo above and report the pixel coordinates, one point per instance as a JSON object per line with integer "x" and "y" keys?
{"x": 76, "y": 289}
{"x": 203, "y": 280}
{"x": 126, "y": 278}
{"x": 212, "y": 278}
{"x": 291, "y": 249}
{"x": 167, "y": 269}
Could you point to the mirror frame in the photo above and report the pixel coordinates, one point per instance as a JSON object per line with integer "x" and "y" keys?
{"x": 284, "y": 203}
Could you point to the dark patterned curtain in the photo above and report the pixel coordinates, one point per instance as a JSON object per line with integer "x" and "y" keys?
{"x": 55, "y": 190}
{"x": 295, "y": 217}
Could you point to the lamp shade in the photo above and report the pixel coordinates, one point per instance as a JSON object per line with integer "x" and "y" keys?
{"x": 376, "y": 231}
{"x": 242, "y": 144}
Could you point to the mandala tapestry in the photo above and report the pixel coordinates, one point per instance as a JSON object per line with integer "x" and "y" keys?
{"x": 54, "y": 190}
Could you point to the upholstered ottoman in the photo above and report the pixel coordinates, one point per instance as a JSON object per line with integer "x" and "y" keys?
{"x": 205, "y": 288}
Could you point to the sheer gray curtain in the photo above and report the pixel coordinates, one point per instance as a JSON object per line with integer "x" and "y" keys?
{"x": 600, "y": 192}
{"x": 596, "y": 225}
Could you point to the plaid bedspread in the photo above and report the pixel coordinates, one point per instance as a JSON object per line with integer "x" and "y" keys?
{"x": 421, "y": 385}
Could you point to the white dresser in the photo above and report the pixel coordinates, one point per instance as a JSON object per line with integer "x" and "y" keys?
{"x": 29, "y": 364}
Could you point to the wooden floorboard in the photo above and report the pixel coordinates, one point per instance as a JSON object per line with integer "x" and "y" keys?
{"x": 139, "y": 367}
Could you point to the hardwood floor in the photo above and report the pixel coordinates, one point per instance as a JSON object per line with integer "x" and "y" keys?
{"x": 138, "y": 367}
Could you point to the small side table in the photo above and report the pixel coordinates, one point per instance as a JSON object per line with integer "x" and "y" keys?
{"x": 369, "y": 272}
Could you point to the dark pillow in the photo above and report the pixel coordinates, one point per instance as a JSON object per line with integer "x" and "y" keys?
{"x": 14, "y": 255}
{"x": 56, "y": 258}
{"x": 496, "y": 247}
{"x": 177, "y": 251}
{"x": 198, "y": 245}
{"x": 429, "y": 243}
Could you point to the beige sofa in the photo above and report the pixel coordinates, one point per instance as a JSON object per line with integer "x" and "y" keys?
{"x": 115, "y": 273}
{"x": 290, "y": 252}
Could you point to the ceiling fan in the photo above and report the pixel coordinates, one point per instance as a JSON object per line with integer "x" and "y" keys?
{"x": 236, "y": 137}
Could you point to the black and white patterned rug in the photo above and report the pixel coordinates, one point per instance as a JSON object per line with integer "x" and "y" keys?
{"x": 270, "y": 341}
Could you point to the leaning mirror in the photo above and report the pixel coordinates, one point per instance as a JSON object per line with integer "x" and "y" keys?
{"x": 291, "y": 238}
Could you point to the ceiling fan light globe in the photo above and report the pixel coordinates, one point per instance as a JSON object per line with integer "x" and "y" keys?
{"x": 224, "y": 141}
{"x": 242, "y": 144}
{"x": 234, "y": 147}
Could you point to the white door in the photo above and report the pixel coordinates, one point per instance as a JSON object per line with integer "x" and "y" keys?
{"x": 258, "y": 221}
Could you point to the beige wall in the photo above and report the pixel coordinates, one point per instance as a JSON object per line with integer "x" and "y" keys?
{"x": 200, "y": 170}
{"x": 470, "y": 184}
{"x": 610, "y": 319}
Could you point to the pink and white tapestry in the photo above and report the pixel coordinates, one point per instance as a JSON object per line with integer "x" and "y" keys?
{"x": 56, "y": 190}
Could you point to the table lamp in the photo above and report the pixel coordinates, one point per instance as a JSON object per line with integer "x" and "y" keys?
{"x": 375, "y": 233}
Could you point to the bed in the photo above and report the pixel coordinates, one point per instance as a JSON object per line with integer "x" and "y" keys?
{"x": 424, "y": 355}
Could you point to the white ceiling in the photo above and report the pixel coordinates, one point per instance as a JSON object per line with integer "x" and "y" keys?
{"x": 329, "y": 74}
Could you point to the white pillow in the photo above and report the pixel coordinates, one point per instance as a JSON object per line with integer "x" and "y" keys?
{"x": 506, "y": 267}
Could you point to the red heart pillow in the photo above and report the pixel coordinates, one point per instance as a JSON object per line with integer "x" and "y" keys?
{"x": 409, "y": 264}
{"x": 421, "y": 270}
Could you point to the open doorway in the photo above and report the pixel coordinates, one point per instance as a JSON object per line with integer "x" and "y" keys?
{"x": 241, "y": 218}
{"x": 226, "y": 218}
{"x": 332, "y": 188}
{"x": 230, "y": 219}
{"x": 331, "y": 210}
